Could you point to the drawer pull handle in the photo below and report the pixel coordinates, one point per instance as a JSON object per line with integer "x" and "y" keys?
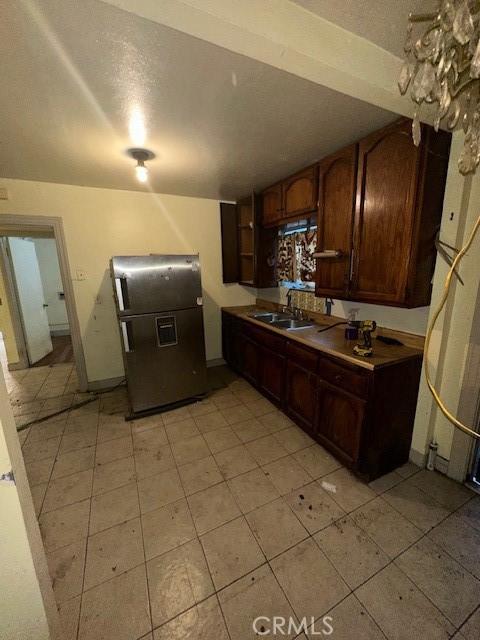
{"x": 338, "y": 377}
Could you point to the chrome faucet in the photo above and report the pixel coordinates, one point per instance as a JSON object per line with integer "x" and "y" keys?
{"x": 328, "y": 305}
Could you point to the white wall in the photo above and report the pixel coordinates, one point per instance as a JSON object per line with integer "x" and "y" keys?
{"x": 101, "y": 223}
{"x": 6, "y": 325}
{"x": 451, "y": 340}
{"x": 27, "y": 605}
{"x": 408, "y": 320}
{"x": 52, "y": 283}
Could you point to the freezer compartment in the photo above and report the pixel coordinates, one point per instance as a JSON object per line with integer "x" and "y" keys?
{"x": 164, "y": 355}
{"x": 144, "y": 284}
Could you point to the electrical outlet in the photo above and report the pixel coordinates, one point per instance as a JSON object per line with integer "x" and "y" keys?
{"x": 3, "y": 193}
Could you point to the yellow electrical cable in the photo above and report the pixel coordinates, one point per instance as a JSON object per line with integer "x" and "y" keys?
{"x": 438, "y": 310}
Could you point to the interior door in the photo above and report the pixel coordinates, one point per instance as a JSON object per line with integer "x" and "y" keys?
{"x": 31, "y": 298}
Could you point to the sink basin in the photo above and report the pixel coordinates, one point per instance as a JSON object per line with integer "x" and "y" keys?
{"x": 270, "y": 317}
{"x": 291, "y": 323}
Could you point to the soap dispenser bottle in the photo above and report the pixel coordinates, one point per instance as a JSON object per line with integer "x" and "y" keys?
{"x": 351, "y": 332}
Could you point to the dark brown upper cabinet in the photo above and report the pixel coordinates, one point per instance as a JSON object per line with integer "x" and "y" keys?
{"x": 248, "y": 249}
{"x": 292, "y": 198}
{"x": 380, "y": 206}
{"x": 300, "y": 192}
{"x": 228, "y": 222}
{"x": 272, "y": 210}
{"x": 336, "y": 206}
{"x": 398, "y": 209}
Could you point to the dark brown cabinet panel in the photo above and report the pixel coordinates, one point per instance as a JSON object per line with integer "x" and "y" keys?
{"x": 339, "y": 423}
{"x": 337, "y": 185}
{"x": 398, "y": 209}
{"x": 250, "y": 359}
{"x": 228, "y": 222}
{"x": 300, "y": 396}
{"x": 272, "y": 375}
{"x": 272, "y": 210}
{"x": 231, "y": 341}
{"x": 300, "y": 192}
{"x": 389, "y": 163}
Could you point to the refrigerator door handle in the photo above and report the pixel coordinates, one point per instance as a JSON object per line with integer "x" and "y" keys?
{"x": 122, "y": 293}
{"x": 127, "y": 337}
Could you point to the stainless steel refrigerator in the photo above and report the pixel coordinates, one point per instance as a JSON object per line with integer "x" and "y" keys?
{"x": 159, "y": 309}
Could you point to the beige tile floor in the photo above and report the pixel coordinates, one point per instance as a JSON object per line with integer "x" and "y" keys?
{"x": 189, "y": 524}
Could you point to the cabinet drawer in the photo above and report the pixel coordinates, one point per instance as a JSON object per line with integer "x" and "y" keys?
{"x": 302, "y": 356}
{"x": 265, "y": 338}
{"x": 344, "y": 378}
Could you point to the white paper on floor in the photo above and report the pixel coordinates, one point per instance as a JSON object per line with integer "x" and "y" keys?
{"x": 328, "y": 486}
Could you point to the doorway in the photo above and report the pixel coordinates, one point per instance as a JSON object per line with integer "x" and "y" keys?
{"x": 40, "y": 299}
{"x": 38, "y": 319}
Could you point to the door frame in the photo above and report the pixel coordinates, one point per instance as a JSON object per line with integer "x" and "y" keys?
{"x": 15, "y": 223}
{"x": 15, "y": 314}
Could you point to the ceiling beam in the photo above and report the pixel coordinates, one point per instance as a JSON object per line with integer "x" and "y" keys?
{"x": 288, "y": 37}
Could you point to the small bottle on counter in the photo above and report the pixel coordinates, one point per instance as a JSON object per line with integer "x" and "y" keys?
{"x": 351, "y": 333}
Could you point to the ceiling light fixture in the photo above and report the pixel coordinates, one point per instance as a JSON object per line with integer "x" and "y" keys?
{"x": 442, "y": 66}
{"x": 141, "y": 156}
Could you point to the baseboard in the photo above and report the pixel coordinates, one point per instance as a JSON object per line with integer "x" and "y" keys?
{"x": 60, "y": 332}
{"x": 418, "y": 458}
{"x": 216, "y": 362}
{"x": 16, "y": 366}
{"x": 108, "y": 383}
{"x": 441, "y": 464}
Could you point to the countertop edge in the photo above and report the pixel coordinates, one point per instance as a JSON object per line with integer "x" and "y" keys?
{"x": 243, "y": 311}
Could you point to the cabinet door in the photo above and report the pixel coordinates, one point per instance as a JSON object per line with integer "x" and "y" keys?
{"x": 337, "y": 184}
{"x": 272, "y": 204}
{"x": 300, "y": 397}
{"x": 272, "y": 375}
{"x": 250, "y": 359}
{"x": 300, "y": 192}
{"x": 228, "y": 225}
{"x": 339, "y": 421}
{"x": 388, "y": 166}
{"x": 232, "y": 344}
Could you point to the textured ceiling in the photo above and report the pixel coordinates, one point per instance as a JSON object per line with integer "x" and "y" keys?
{"x": 383, "y": 22}
{"x": 77, "y": 74}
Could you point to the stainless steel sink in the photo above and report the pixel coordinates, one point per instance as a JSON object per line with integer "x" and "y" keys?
{"x": 291, "y": 323}
{"x": 269, "y": 317}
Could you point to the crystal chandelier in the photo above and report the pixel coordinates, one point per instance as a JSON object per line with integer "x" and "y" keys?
{"x": 442, "y": 67}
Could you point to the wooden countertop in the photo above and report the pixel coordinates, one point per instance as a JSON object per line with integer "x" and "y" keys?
{"x": 332, "y": 342}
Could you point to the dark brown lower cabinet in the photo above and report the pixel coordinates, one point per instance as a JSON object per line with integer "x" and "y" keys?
{"x": 249, "y": 358}
{"x": 300, "y": 396}
{"x": 271, "y": 375}
{"x": 364, "y": 417}
{"x": 339, "y": 420}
